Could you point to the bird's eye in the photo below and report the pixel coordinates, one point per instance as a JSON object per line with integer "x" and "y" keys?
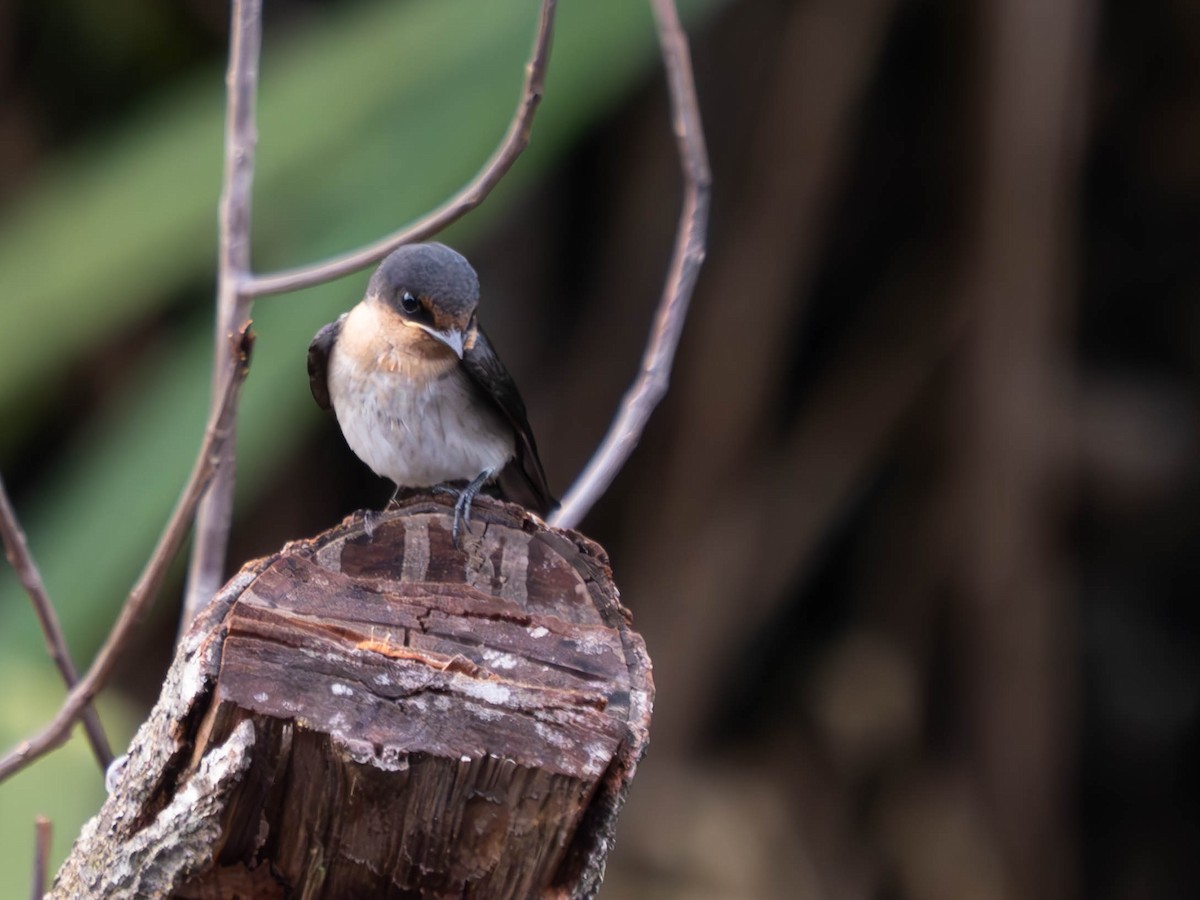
{"x": 410, "y": 303}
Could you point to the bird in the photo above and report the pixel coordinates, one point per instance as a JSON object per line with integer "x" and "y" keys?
{"x": 417, "y": 388}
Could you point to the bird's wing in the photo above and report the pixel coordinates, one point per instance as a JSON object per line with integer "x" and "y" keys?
{"x": 523, "y": 480}
{"x": 318, "y": 361}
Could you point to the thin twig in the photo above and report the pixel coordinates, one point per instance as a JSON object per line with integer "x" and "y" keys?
{"x": 470, "y": 196}
{"x": 215, "y": 515}
{"x": 216, "y": 435}
{"x": 651, "y": 384}
{"x": 41, "y": 857}
{"x": 17, "y": 549}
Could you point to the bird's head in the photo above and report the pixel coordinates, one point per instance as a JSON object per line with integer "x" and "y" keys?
{"x": 430, "y": 288}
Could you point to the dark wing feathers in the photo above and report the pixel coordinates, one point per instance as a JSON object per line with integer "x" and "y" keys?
{"x": 523, "y": 480}
{"x": 318, "y": 362}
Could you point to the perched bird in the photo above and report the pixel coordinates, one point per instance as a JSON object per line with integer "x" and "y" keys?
{"x": 417, "y": 389}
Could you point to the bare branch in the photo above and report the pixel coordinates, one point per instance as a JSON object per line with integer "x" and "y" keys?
{"x": 472, "y": 194}
{"x": 216, "y": 435}
{"x": 233, "y": 305}
{"x": 651, "y": 383}
{"x": 41, "y": 857}
{"x": 17, "y": 549}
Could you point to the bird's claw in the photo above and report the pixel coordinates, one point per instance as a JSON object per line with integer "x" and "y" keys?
{"x": 462, "y": 514}
{"x": 462, "y": 503}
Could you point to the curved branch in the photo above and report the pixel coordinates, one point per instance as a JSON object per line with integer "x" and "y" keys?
{"x": 215, "y": 516}
{"x": 470, "y": 196}
{"x": 17, "y": 549}
{"x": 654, "y": 375}
{"x": 215, "y": 437}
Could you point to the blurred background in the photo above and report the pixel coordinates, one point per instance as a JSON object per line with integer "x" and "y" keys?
{"x": 913, "y": 539}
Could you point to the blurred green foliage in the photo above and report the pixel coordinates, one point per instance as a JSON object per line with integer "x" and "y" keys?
{"x": 66, "y": 786}
{"x": 369, "y": 115}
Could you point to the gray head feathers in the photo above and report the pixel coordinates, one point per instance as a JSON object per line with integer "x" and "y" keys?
{"x": 432, "y": 271}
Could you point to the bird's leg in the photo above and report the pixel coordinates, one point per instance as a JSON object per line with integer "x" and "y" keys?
{"x": 371, "y": 517}
{"x": 465, "y": 497}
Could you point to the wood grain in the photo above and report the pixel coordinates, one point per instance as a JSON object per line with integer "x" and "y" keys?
{"x": 402, "y": 718}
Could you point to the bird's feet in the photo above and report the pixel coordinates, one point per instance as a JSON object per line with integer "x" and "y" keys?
{"x": 462, "y": 504}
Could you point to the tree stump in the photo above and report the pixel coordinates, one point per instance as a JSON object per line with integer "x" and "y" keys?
{"x": 385, "y": 715}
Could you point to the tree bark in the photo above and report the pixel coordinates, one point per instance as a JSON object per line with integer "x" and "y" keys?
{"x": 382, "y": 714}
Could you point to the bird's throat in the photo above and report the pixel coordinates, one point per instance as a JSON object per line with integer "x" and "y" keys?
{"x": 377, "y": 338}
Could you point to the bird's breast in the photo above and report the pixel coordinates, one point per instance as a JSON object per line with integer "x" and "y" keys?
{"x": 414, "y": 420}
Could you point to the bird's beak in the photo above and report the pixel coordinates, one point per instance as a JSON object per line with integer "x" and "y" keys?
{"x": 452, "y": 338}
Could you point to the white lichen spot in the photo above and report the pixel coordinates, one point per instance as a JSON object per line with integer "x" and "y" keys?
{"x": 598, "y": 759}
{"x": 340, "y": 690}
{"x": 552, "y": 736}
{"x": 538, "y": 632}
{"x": 392, "y": 760}
{"x": 383, "y": 679}
{"x": 359, "y": 751}
{"x": 591, "y": 646}
{"x": 114, "y": 772}
{"x": 290, "y": 706}
{"x": 488, "y": 692}
{"x": 191, "y": 679}
{"x": 262, "y": 697}
{"x": 498, "y": 659}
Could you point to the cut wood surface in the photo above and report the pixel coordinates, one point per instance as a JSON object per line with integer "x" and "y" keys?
{"x": 386, "y": 715}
